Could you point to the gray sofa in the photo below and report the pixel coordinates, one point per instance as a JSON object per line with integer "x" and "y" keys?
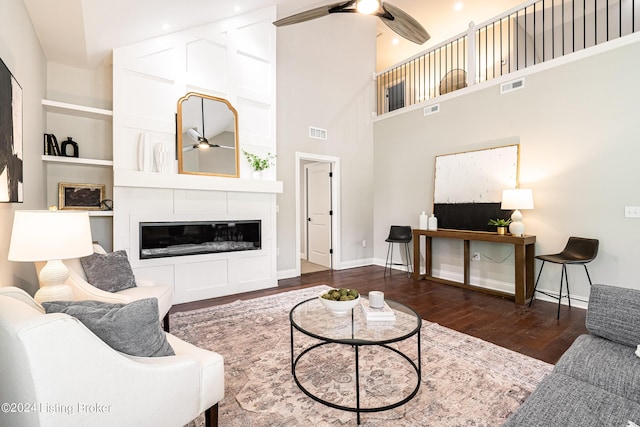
{"x": 597, "y": 381}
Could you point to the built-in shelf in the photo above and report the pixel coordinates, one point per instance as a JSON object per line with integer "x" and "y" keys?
{"x": 100, "y": 213}
{"x": 77, "y": 161}
{"x": 76, "y": 110}
{"x": 128, "y": 178}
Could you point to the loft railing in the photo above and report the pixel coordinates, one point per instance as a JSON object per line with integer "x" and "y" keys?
{"x": 532, "y": 33}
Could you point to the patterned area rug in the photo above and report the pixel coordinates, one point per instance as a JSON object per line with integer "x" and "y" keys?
{"x": 465, "y": 381}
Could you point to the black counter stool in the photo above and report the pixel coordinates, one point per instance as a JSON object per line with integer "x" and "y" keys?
{"x": 398, "y": 234}
{"x": 577, "y": 251}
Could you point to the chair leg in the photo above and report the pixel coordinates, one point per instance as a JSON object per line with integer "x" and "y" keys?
{"x": 566, "y": 280}
{"x": 409, "y": 263}
{"x": 560, "y": 294}
{"x": 386, "y": 261}
{"x": 533, "y": 294}
{"x": 165, "y": 322}
{"x": 587, "y": 271}
{"x": 211, "y": 416}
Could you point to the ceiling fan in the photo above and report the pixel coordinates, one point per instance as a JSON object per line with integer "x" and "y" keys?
{"x": 200, "y": 141}
{"x": 396, "y": 19}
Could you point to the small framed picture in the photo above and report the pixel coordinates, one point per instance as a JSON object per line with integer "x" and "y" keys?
{"x": 80, "y": 196}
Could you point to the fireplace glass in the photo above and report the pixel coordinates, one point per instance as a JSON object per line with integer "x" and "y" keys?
{"x": 179, "y": 238}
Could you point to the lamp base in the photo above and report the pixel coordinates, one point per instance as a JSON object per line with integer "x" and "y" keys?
{"x": 54, "y": 293}
{"x": 52, "y": 283}
{"x": 516, "y": 228}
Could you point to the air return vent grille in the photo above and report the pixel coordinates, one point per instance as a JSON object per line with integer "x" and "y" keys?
{"x": 511, "y": 86}
{"x": 317, "y": 133}
{"x": 431, "y": 109}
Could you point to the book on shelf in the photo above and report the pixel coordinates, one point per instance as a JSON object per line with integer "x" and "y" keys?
{"x": 383, "y": 313}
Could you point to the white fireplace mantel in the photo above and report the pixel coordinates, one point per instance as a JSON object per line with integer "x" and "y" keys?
{"x": 129, "y": 178}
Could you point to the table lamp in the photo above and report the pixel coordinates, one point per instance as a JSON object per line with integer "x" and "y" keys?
{"x": 51, "y": 236}
{"x": 517, "y": 199}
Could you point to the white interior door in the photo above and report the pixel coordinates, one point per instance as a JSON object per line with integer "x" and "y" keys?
{"x": 319, "y": 213}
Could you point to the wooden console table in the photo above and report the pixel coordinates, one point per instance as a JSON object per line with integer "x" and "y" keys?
{"x": 524, "y": 259}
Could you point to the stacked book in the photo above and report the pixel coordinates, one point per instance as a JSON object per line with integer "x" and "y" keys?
{"x": 384, "y": 313}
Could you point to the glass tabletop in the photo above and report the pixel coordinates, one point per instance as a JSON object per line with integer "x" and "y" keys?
{"x": 312, "y": 318}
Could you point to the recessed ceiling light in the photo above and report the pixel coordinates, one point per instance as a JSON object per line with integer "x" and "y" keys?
{"x": 395, "y": 41}
{"x": 166, "y": 26}
{"x": 458, "y": 6}
{"x": 237, "y": 9}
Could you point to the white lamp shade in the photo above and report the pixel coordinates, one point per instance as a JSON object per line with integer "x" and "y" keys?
{"x": 50, "y": 235}
{"x": 518, "y": 198}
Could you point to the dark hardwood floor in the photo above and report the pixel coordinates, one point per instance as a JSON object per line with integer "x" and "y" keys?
{"x": 532, "y": 331}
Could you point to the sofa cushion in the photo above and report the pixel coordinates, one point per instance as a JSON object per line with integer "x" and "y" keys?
{"x": 604, "y": 364}
{"x": 110, "y": 272}
{"x": 132, "y": 328}
{"x": 560, "y": 400}
{"x": 614, "y": 313}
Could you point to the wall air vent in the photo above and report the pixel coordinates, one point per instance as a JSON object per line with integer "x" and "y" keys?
{"x": 431, "y": 109}
{"x": 511, "y": 86}
{"x": 317, "y": 133}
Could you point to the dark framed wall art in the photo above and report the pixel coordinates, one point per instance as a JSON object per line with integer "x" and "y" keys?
{"x": 468, "y": 186}
{"x": 80, "y": 196}
{"x": 11, "y": 184}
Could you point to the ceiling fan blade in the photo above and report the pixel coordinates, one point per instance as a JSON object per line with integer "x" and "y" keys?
{"x": 310, "y": 14}
{"x": 403, "y": 24}
{"x": 188, "y": 148}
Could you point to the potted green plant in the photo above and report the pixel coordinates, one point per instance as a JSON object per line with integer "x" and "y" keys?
{"x": 259, "y": 163}
{"x": 501, "y": 224}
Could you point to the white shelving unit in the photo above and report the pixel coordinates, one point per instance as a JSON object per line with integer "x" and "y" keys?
{"x": 77, "y": 161}
{"x": 77, "y": 110}
{"x": 69, "y": 114}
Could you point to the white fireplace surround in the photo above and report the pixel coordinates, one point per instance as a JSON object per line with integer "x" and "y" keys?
{"x": 201, "y": 276}
{"x": 233, "y": 59}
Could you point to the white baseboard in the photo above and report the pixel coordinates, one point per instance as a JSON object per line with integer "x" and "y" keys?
{"x": 287, "y": 274}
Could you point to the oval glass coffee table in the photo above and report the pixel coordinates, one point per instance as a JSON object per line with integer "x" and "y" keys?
{"x": 348, "y": 348}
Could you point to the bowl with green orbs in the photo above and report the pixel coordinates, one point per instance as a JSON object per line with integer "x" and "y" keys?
{"x": 339, "y": 300}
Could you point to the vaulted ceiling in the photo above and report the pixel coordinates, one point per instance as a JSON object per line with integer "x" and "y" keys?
{"x": 84, "y": 34}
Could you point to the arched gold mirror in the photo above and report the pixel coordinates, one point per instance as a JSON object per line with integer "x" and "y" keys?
{"x": 207, "y": 136}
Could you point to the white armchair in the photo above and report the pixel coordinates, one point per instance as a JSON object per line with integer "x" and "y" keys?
{"x": 83, "y": 290}
{"x": 56, "y": 372}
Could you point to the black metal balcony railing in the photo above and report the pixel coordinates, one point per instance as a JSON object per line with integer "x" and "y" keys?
{"x": 535, "y": 32}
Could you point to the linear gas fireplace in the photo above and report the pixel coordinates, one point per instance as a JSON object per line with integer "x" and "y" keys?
{"x": 179, "y": 238}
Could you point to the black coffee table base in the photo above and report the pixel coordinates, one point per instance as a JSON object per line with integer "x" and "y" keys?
{"x": 356, "y": 345}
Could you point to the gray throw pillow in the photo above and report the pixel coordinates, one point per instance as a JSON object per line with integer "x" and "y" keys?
{"x": 111, "y": 272}
{"x": 132, "y": 328}
{"x": 613, "y": 314}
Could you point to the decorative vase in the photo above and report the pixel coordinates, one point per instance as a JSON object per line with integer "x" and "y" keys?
{"x": 257, "y": 175}
{"x": 145, "y": 153}
{"x": 502, "y": 230}
{"x": 161, "y": 158}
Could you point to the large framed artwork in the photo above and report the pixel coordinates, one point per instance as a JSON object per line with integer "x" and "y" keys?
{"x": 11, "y": 185}
{"x": 468, "y": 187}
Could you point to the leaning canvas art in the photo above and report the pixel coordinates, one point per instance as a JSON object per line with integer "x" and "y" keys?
{"x": 10, "y": 137}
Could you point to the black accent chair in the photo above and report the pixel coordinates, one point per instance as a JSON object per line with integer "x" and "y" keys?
{"x": 399, "y": 234}
{"x": 578, "y": 250}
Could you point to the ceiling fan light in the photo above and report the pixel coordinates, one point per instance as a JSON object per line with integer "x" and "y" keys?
{"x": 367, "y": 6}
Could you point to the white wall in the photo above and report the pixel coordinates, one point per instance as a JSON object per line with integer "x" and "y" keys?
{"x": 577, "y": 128}
{"x": 324, "y": 79}
{"x": 21, "y": 52}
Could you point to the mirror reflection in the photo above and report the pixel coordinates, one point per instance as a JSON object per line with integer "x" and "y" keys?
{"x": 207, "y": 136}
